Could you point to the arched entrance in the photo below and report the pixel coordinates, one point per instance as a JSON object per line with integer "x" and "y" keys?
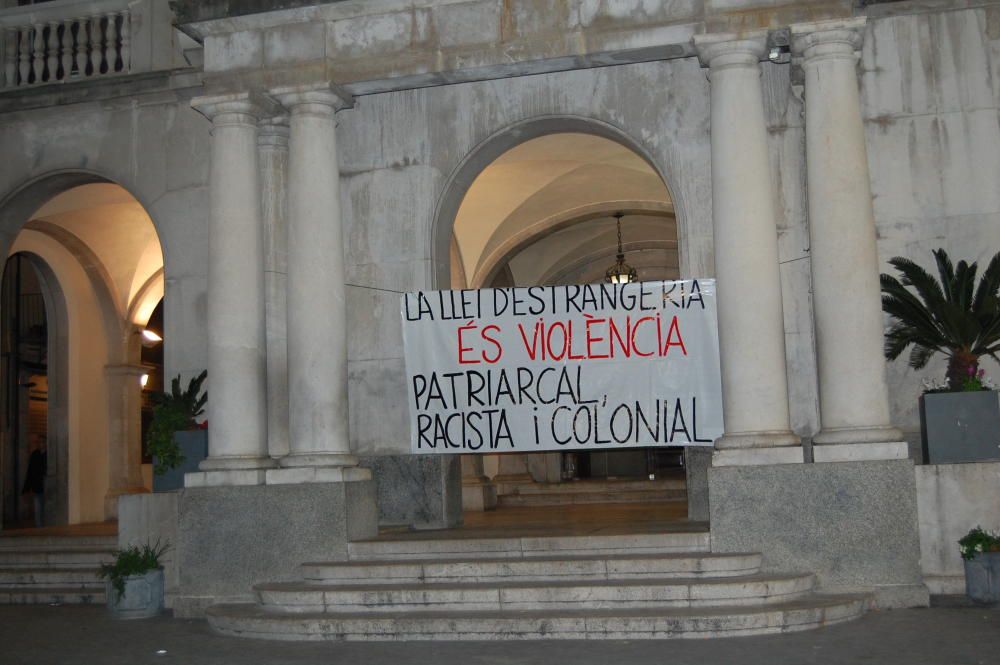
{"x": 95, "y": 256}
{"x": 541, "y": 212}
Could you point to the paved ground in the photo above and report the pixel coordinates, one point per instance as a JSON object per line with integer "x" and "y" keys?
{"x": 950, "y": 635}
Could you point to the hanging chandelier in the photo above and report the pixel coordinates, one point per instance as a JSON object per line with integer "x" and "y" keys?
{"x": 620, "y": 272}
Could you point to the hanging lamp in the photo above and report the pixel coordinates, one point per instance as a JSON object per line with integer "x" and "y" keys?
{"x": 620, "y": 272}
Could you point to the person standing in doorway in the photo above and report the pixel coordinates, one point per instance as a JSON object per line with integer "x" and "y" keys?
{"x": 34, "y": 481}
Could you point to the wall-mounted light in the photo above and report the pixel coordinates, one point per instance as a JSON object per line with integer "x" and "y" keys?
{"x": 148, "y": 338}
{"x": 143, "y": 380}
{"x": 620, "y": 272}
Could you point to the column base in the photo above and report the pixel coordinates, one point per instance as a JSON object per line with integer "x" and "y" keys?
{"x": 317, "y": 474}
{"x": 758, "y": 456}
{"x": 762, "y": 439}
{"x": 860, "y": 452}
{"x": 878, "y": 434}
{"x": 755, "y": 448}
{"x": 225, "y": 478}
{"x": 299, "y": 460}
{"x": 235, "y": 463}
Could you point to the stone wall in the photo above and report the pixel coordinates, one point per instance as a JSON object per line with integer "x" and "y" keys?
{"x": 152, "y": 144}
{"x": 931, "y": 94}
{"x": 951, "y": 500}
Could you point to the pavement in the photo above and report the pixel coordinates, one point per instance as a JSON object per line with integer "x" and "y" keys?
{"x": 952, "y": 633}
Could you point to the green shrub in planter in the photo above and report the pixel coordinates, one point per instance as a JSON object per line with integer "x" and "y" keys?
{"x": 134, "y": 581}
{"x": 981, "y": 553}
{"x": 174, "y": 412}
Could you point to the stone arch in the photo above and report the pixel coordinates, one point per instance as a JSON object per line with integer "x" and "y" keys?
{"x": 488, "y": 150}
{"x": 120, "y": 316}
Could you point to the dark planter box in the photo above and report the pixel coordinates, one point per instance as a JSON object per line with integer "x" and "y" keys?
{"x": 982, "y": 577}
{"x": 960, "y": 427}
{"x": 194, "y": 447}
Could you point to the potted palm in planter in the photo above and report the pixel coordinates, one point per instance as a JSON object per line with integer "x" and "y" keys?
{"x": 960, "y": 319}
{"x": 176, "y": 441}
{"x": 981, "y": 554}
{"x": 134, "y": 582}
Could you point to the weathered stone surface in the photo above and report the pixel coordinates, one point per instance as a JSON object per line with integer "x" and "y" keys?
{"x": 421, "y": 491}
{"x": 951, "y": 500}
{"x": 231, "y": 538}
{"x": 854, "y": 524}
{"x": 697, "y": 461}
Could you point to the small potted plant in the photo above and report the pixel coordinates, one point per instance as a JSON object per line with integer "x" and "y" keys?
{"x": 176, "y": 441}
{"x": 134, "y": 582}
{"x": 960, "y": 319}
{"x": 981, "y": 552}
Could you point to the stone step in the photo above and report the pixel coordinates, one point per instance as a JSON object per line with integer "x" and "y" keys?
{"x": 249, "y": 620}
{"x": 49, "y": 577}
{"x": 564, "y": 595}
{"x": 415, "y": 548}
{"x": 55, "y": 558}
{"x": 600, "y": 485}
{"x": 575, "y": 498}
{"x": 38, "y": 595}
{"x": 15, "y": 543}
{"x": 598, "y": 567}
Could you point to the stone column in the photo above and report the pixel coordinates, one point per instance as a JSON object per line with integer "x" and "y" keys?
{"x": 320, "y": 445}
{"x": 124, "y": 434}
{"x": 751, "y": 324}
{"x": 853, "y": 393}
{"x": 478, "y": 493}
{"x": 272, "y": 143}
{"x": 237, "y": 407}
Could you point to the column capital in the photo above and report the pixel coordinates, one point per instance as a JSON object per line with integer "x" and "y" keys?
{"x": 306, "y": 98}
{"x": 273, "y": 132}
{"x": 827, "y": 39}
{"x": 723, "y": 50}
{"x": 239, "y": 107}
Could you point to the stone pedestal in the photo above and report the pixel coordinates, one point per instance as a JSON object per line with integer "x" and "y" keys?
{"x": 751, "y": 329}
{"x": 230, "y": 538}
{"x": 478, "y": 492}
{"x": 152, "y": 518}
{"x": 853, "y": 393}
{"x": 697, "y": 462}
{"x": 854, "y": 524}
{"x": 418, "y": 491}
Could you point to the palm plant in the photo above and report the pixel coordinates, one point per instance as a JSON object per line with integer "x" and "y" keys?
{"x": 174, "y": 411}
{"x": 952, "y": 316}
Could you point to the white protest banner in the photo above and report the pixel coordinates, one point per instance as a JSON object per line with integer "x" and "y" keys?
{"x": 588, "y": 367}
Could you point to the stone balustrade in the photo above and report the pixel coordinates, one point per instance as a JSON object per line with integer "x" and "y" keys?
{"x": 64, "y": 41}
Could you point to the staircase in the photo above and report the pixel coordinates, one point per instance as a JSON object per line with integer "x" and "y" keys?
{"x": 609, "y": 491}
{"x": 640, "y": 586}
{"x": 41, "y": 570}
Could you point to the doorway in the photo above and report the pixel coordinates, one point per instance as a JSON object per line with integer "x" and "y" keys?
{"x": 543, "y": 213}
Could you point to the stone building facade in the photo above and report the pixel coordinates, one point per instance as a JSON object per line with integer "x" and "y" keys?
{"x": 303, "y": 163}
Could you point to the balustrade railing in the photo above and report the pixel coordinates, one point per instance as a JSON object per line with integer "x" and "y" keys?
{"x": 43, "y": 47}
